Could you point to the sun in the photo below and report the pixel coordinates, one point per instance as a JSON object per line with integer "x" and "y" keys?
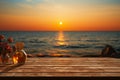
{"x": 60, "y": 22}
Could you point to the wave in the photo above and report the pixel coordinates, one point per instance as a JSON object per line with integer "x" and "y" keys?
{"x": 93, "y": 40}
{"x": 72, "y": 46}
{"x": 78, "y": 46}
{"x": 99, "y": 47}
{"x": 115, "y": 40}
{"x": 35, "y": 41}
{"x": 68, "y": 40}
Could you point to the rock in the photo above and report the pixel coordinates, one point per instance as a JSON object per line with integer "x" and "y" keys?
{"x": 108, "y": 51}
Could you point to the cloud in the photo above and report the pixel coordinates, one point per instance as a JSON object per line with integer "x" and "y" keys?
{"x": 59, "y": 7}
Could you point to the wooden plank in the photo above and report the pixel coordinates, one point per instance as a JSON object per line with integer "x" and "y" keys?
{"x": 64, "y": 67}
{"x": 62, "y": 74}
{"x": 71, "y": 59}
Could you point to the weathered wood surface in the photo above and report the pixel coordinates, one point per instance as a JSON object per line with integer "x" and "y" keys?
{"x": 46, "y": 67}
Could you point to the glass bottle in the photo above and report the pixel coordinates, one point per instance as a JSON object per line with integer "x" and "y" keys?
{"x": 20, "y": 55}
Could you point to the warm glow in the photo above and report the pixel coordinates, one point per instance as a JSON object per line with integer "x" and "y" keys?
{"x": 61, "y": 22}
{"x": 61, "y": 40}
{"x": 59, "y": 15}
{"x": 15, "y": 59}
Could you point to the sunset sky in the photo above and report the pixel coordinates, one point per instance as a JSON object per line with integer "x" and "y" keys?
{"x": 55, "y": 15}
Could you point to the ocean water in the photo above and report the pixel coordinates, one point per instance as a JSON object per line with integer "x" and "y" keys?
{"x": 74, "y": 43}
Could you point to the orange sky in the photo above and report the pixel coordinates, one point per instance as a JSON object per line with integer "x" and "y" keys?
{"x": 45, "y": 15}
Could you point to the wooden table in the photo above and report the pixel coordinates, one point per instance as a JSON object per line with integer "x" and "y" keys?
{"x": 61, "y": 67}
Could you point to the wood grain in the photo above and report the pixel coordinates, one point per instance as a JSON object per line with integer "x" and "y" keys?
{"x": 90, "y": 67}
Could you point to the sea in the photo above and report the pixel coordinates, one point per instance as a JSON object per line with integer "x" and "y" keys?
{"x": 71, "y": 42}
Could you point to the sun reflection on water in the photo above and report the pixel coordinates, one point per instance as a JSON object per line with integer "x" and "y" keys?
{"x": 61, "y": 39}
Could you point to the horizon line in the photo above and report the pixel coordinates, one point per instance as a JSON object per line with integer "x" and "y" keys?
{"x": 56, "y": 31}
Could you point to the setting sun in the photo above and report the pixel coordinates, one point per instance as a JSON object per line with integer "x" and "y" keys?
{"x": 61, "y": 23}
